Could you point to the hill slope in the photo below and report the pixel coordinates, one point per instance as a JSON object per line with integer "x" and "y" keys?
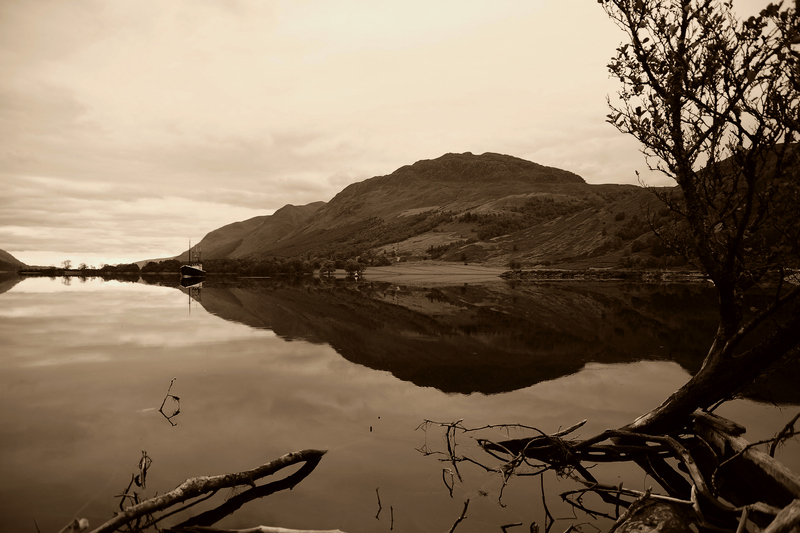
{"x": 9, "y": 263}
{"x": 251, "y": 237}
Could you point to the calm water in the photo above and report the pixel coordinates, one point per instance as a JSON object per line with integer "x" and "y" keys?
{"x": 263, "y": 369}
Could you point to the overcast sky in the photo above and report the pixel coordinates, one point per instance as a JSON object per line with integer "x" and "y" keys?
{"x": 128, "y": 127}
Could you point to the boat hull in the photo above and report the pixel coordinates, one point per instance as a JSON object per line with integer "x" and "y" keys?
{"x": 192, "y": 271}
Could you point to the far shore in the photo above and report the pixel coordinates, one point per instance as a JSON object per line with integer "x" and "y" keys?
{"x": 441, "y": 272}
{"x": 434, "y": 272}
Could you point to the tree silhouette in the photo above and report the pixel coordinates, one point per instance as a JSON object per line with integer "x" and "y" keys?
{"x": 714, "y": 103}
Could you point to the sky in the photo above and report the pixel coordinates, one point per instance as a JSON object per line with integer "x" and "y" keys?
{"x": 130, "y": 127}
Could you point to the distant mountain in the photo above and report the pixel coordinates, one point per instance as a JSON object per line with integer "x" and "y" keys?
{"x": 252, "y": 237}
{"x": 9, "y": 263}
{"x": 490, "y": 208}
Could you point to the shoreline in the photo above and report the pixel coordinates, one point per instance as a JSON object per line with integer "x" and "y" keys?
{"x": 438, "y": 272}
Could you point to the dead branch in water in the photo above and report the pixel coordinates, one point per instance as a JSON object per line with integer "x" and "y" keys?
{"x": 712, "y": 446}
{"x": 198, "y": 486}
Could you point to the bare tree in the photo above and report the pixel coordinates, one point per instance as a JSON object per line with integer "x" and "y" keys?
{"x": 714, "y": 103}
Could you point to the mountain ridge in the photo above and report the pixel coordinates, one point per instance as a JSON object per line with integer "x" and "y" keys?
{"x": 490, "y": 208}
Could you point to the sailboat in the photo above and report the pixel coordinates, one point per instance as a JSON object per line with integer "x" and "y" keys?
{"x": 195, "y": 268}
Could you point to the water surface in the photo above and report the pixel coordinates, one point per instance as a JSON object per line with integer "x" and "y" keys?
{"x": 264, "y": 368}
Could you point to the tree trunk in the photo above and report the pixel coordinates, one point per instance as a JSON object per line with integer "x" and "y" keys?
{"x": 721, "y": 376}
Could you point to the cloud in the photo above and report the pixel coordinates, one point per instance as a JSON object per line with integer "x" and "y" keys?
{"x": 140, "y": 122}
{"x": 61, "y": 219}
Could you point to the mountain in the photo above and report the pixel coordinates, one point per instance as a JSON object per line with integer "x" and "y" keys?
{"x": 490, "y": 208}
{"x": 9, "y": 263}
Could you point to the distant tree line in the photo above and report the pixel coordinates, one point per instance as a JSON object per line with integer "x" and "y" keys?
{"x": 273, "y": 266}
{"x": 126, "y": 268}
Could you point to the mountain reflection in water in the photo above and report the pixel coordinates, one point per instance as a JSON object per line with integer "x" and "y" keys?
{"x": 487, "y": 338}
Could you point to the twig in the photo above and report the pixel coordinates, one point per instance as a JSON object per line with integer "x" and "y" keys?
{"x": 379, "y": 503}
{"x": 548, "y": 518}
{"x": 785, "y": 433}
{"x": 144, "y": 465}
{"x": 452, "y": 483}
{"x": 451, "y": 450}
{"x": 125, "y": 494}
{"x": 621, "y": 491}
{"x": 460, "y": 518}
{"x": 505, "y": 527}
{"x": 177, "y": 411}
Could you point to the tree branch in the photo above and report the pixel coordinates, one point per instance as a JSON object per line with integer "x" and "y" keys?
{"x": 194, "y": 487}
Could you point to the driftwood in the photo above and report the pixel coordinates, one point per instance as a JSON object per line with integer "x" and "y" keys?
{"x": 208, "y": 485}
{"x": 721, "y": 482}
